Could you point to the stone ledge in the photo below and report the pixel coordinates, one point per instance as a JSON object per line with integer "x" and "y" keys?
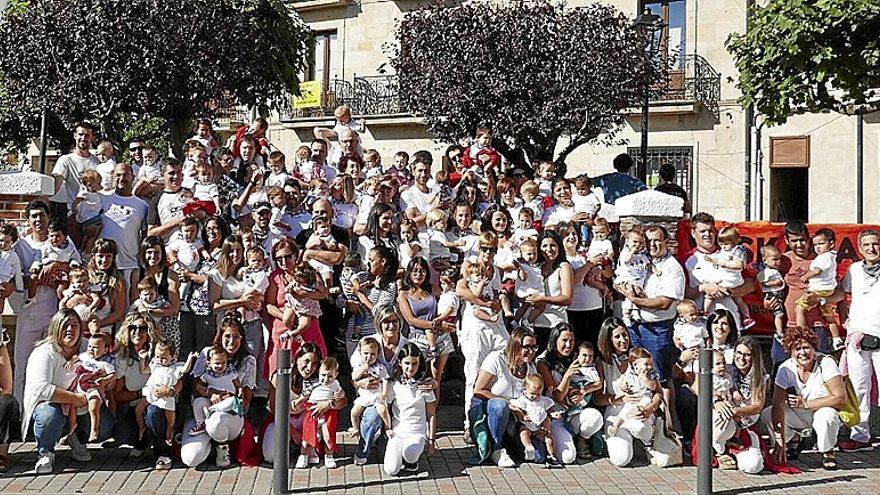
{"x": 27, "y": 183}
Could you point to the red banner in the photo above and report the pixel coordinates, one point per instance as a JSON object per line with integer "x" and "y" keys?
{"x": 757, "y": 234}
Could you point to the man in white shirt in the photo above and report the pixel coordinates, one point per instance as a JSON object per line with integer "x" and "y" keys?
{"x": 317, "y": 166}
{"x": 33, "y": 319}
{"x": 862, "y": 281}
{"x": 699, "y": 270}
{"x": 418, "y": 200}
{"x": 166, "y": 208}
{"x": 69, "y": 168}
{"x": 124, "y": 220}
{"x": 655, "y": 313}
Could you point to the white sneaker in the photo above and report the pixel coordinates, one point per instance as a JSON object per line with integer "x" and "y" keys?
{"x": 222, "y": 456}
{"x": 163, "y": 463}
{"x": 45, "y": 463}
{"x": 314, "y": 459}
{"x": 530, "y": 453}
{"x": 837, "y": 343}
{"x": 360, "y": 461}
{"x": 302, "y": 462}
{"x": 329, "y": 461}
{"x": 502, "y": 460}
{"x": 78, "y": 451}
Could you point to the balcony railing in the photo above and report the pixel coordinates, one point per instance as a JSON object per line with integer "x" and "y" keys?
{"x": 365, "y": 95}
{"x": 695, "y": 81}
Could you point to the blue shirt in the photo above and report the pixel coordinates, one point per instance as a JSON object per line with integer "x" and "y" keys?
{"x": 617, "y": 185}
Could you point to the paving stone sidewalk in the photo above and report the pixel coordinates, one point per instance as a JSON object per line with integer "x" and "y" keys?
{"x": 113, "y": 472}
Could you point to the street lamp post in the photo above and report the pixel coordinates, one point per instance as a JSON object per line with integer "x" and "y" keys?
{"x": 651, "y": 24}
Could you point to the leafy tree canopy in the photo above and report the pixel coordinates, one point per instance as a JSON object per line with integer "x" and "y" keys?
{"x": 532, "y": 71}
{"x": 117, "y": 62}
{"x": 810, "y": 55}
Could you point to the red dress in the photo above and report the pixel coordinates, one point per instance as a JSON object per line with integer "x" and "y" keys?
{"x": 311, "y": 334}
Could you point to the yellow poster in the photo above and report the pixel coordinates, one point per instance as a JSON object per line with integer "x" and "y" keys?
{"x": 310, "y": 95}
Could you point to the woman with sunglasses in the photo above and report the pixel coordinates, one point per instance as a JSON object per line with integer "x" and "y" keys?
{"x": 286, "y": 255}
{"x": 224, "y": 428}
{"x": 137, "y": 333}
{"x": 501, "y": 378}
{"x": 478, "y": 337}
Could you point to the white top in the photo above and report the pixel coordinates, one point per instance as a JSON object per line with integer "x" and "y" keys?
{"x": 187, "y": 252}
{"x": 448, "y": 300}
{"x": 533, "y": 284}
{"x": 519, "y": 235}
{"x": 553, "y": 314}
{"x": 556, "y": 214}
{"x": 583, "y": 297}
{"x": 827, "y": 280}
{"x": 129, "y": 370}
{"x": 206, "y": 191}
{"x": 409, "y": 413}
{"x": 586, "y": 204}
{"x": 629, "y": 382}
{"x": 536, "y": 410}
{"x": 770, "y": 275}
{"x": 106, "y": 171}
{"x": 670, "y": 283}
{"x": 65, "y": 253}
{"x": 864, "y": 310}
{"x": 600, "y": 247}
{"x": 10, "y": 262}
{"x": 691, "y": 334}
{"x": 169, "y": 205}
{"x": 635, "y": 272}
{"x": 699, "y": 271}
{"x": 356, "y": 360}
{"x": 46, "y": 300}
{"x": 150, "y": 172}
{"x": 273, "y": 179}
{"x": 412, "y": 197}
{"x": 346, "y": 214}
{"x": 305, "y": 170}
{"x": 325, "y": 392}
{"x": 436, "y": 248}
{"x": 124, "y": 218}
{"x": 89, "y": 207}
{"x": 505, "y": 385}
{"x": 728, "y": 277}
{"x": 45, "y": 373}
{"x": 814, "y": 387}
{"x": 70, "y": 167}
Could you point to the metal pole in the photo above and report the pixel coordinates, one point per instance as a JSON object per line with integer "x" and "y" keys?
{"x": 281, "y": 468}
{"x": 704, "y": 419}
{"x": 750, "y": 120}
{"x": 43, "y": 143}
{"x": 642, "y": 169}
{"x": 860, "y": 168}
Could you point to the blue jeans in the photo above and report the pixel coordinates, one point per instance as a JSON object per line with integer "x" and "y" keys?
{"x": 656, "y": 338}
{"x": 155, "y": 419}
{"x": 778, "y": 354}
{"x": 497, "y": 418}
{"x": 371, "y": 429}
{"x": 50, "y": 423}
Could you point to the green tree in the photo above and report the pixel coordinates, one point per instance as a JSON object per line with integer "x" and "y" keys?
{"x": 118, "y": 62}
{"x": 810, "y": 55}
{"x": 533, "y": 71}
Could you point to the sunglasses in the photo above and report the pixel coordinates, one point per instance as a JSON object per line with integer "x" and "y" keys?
{"x": 487, "y": 249}
{"x": 530, "y": 347}
{"x": 135, "y": 148}
{"x": 285, "y": 258}
{"x": 138, "y": 328}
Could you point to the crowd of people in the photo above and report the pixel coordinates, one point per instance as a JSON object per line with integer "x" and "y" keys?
{"x": 153, "y": 295}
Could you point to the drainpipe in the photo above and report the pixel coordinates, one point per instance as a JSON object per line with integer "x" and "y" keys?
{"x": 860, "y": 168}
{"x": 747, "y": 152}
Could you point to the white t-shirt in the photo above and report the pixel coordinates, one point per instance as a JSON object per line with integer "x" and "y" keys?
{"x": 409, "y": 414}
{"x": 600, "y": 247}
{"x": 167, "y": 205}
{"x": 701, "y": 271}
{"x": 814, "y": 387}
{"x": 586, "y": 204}
{"x": 583, "y": 297}
{"x": 89, "y": 207}
{"x": 106, "y": 171}
{"x": 864, "y": 310}
{"x": 827, "y": 280}
{"x": 670, "y": 283}
{"x": 768, "y": 274}
{"x": 70, "y": 167}
{"x": 124, "y": 217}
{"x": 187, "y": 252}
{"x": 436, "y": 247}
{"x": 690, "y": 334}
{"x": 536, "y": 410}
{"x": 506, "y": 385}
{"x": 446, "y": 301}
{"x": 356, "y": 360}
{"x": 325, "y": 392}
{"x": 533, "y": 284}
{"x": 414, "y": 198}
{"x": 557, "y": 214}
{"x": 273, "y": 179}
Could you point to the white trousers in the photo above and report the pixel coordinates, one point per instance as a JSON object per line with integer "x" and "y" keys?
{"x": 864, "y": 368}
{"x": 477, "y": 340}
{"x": 220, "y": 427}
{"x": 620, "y": 446}
{"x": 824, "y": 422}
{"x": 402, "y": 448}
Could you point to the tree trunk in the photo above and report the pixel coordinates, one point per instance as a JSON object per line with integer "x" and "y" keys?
{"x": 178, "y": 132}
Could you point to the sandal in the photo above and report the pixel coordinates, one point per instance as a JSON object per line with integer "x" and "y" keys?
{"x": 726, "y": 462}
{"x": 829, "y": 463}
{"x": 794, "y": 448}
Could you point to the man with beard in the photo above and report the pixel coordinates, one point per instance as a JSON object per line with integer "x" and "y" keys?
{"x": 69, "y": 168}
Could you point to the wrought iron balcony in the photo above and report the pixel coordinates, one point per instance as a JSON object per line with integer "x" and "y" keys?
{"x": 365, "y": 95}
{"x": 695, "y": 81}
